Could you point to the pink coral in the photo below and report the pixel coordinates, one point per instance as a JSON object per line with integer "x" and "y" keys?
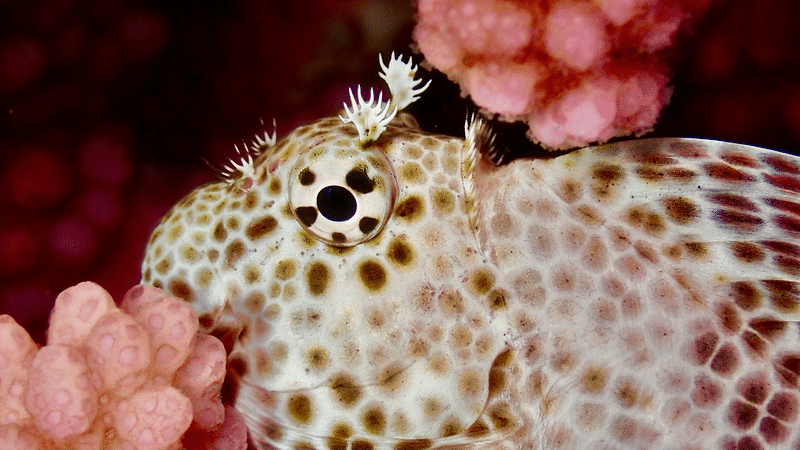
{"x": 135, "y": 377}
{"x": 576, "y": 71}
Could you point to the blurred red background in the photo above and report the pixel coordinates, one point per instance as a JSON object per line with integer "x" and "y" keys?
{"x": 108, "y": 106}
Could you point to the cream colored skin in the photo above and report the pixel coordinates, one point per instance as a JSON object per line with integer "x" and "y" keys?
{"x": 623, "y": 296}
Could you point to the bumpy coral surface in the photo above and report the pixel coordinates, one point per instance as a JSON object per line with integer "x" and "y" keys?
{"x": 577, "y": 72}
{"x": 135, "y": 377}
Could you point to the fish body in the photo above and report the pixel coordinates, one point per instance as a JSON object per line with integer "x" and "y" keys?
{"x": 404, "y": 292}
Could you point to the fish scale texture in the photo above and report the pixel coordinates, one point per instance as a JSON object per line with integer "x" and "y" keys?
{"x": 638, "y": 295}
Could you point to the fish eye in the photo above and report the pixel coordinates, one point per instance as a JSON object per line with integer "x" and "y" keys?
{"x": 345, "y": 197}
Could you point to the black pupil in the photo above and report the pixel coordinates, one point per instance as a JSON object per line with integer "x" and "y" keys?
{"x": 336, "y": 203}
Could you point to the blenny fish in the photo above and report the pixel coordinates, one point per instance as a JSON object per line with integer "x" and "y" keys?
{"x": 383, "y": 287}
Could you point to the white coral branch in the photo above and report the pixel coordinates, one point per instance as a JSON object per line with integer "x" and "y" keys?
{"x": 399, "y": 76}
{"x": 370, "y": 118}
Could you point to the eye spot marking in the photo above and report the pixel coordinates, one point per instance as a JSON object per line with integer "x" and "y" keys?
{"x": 338, "y": 238}
{"x": 358, "y": 181}
{"x": 318, "y": 277}
{"x": 306, "y": 214}
{"x": 367, "y": 224}
{"x": 372, "y": 275}
{"x": 306, "y": 177}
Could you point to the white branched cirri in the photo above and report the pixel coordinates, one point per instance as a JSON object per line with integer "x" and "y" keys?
{"x": 370, "y": 118}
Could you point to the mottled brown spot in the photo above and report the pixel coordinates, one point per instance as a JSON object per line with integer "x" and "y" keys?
{"x": 570, "y": 190}
{"x": 783, "y": 294}
{"x": 414, "y": 444}
{"x": 477, "y": 429}
{"x": 174, "y": 232}
{"x": 469, "y": 384}
{"x": 727, "y": 173}
{"x": 696, "y": 250}
{"x": 318, "y": 277}
{"x": 496, "y": 299}
{"x": 255, "y": 302}
{"x": 626, "y": 393}
{"x": 452, "y": 302}
{"x": 593, "y": 379}
{"x": 412, "y": 173}
{"x": 451, "y": 427}
{"x": 502, "y": 417}
{"x": 703, "y": 347}
{"x": 181, "y": 289}
{"x": 234, "y": 252}
{"x": 232, "y": 223}
{"x": 359, "y": 444}
{"x": 252, "y": 273}
{"x": 733, "y": 201}
{"x": 400, "y": 252}
{"x": 220, "y": 233}
{"x": 742, "y": 415}
{"x": 745, "y": 295}
{"x": 784, "y": 406}
{"x": 285, "y": 269}
{"x": 481, "y": 281}
{"x": 374, "y": 420}
{"x": 681, "y": 210}
{"x": 706, "y": 393}
{"x": 768, "y": 327}
{"x": 726, "y": 360}
{"x": 786, "y": 182}
{"x": 442, "y": 201}
{"x": 213, "y": 255}
{"x": 786, "y": 223}
{"x": 410, "y": 208}
{"x": 260, "y": 227}
{"x": 729, "y": 316}
{"x": 460, "y": 336}
{"x": 392, "y": 378}
{"x": 317, "y": 358}
{"x": 748, "y": 443}
{"x": 605, "y": 178}
{"x": 737, "y": 220}
{"x": 754, "y": 388}
{"x": 345, "y": 390}
{"x": 680, "y": 174}
{"x": 300, "y": 408}
{"x": 773, "y": 431}
{"x": 372, "y": 275}
{"x": 164, "y": 266}
{"x": 747, "y": 252}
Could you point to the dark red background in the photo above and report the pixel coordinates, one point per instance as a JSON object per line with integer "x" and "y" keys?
{"x": 108, "y": 106}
